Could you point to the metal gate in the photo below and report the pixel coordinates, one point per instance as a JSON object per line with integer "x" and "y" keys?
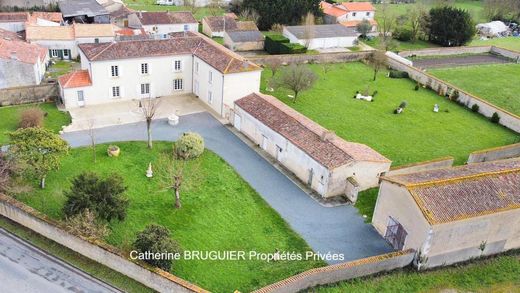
{"x": 395, "y": 234}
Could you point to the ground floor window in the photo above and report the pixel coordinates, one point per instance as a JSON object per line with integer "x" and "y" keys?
{"x": 395, "y": 234}
{"x": 116, "y": 92}
{"x": 145, "y": 88}
{"x": 210, "y": 97}
{"x": 178, "y": 84}
{"x": 66, "y": 54}
{"x": 54, "y": 53}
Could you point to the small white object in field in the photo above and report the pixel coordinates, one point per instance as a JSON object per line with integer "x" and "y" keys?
{"x": 173, "y": 120}
{"x": 149, "y": 171}
{"x": 365, "y": 98}
{"x": 364, "y": 216}
{"x": 290, "y": 96}
{"x": 436, "y": 108}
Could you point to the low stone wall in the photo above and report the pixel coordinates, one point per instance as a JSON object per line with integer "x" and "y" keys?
{"x": 446, "y": 51}
{"x": 506, "y": 53}
{"x": 439, "y": 163}
{"x": 341, "y": 272}
{"x": 493, "y": 154}
{"x": 317, "y": 58}
{"x": 487, "y": 109}
{"x": 109, "y": 256}
{"x": 28, "y": 94}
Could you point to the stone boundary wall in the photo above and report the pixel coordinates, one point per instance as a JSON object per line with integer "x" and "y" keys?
{"x": 28, "y": 94}
{"x": 103, "y": 253}
{"x": 317, "y": 58}
{"x": 487, "y": 109}
{"x": 439, "y": 163}
{"x": 340, "y": 272}
{"x": 493, "y": 154}
{"x": 443, "y": 51}
{"x": 506, "y": 53}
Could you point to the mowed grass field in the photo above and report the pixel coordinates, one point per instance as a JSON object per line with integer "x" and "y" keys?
{"x": 149, "y": 5}
{"x": 511, "y": 43}
{"x": 499, "y": 83}
{"x": 220, "y": 212}
{"x": 10, "y": 118}
{"x": 418, "y": 134}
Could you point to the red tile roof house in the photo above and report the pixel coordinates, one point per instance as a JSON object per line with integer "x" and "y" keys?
{"x": 21, "y": 63}
{"x": 349, "y": 14}
{"x": 452, "y": 214}
{"x": 13, "y": 21}
{"x": 163, "y": 23}
{"x": 130, "y": 70}
{"x": 328, "y": 164}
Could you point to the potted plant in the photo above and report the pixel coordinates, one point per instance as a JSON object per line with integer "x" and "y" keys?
{"x": 113, "y": 151}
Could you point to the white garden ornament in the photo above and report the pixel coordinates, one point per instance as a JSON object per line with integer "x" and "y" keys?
{"x": 364, "y": 98}
{"x": 149, "y": 171}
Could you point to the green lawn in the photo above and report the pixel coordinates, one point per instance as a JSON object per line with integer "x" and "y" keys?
{"x": 93, "y": 268}
{"x": 10, "y": 115}
{"x": 221, "y": 212}
{"x": 149, "y": 5}
{"x": 511, "y": 43}
{"x": 401, "y": 46}
{"x": 498, "y": 84}
{"x": 417, "y": 135}
{"x": 61, "y": 67}
{"x": 499, "y": 274}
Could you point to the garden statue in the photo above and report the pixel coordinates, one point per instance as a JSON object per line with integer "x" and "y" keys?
{"x": 436, "y": 108}
{"x": 149, "y": 172}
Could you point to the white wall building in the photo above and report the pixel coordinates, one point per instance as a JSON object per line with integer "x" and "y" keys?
{"x": 321, "y": 36}
{"x": 13, "y": 21}
{"x": 349, "y": 14}
{"x": 328, "y": 164}
{"x": 129, "y": 70}
{"x": 163, "y": 23}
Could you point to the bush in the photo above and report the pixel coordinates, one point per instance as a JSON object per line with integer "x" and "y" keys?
{"x": 6, "y": 170}
{"x": 403, "y": 34}
{"x": 398, "y": 74}
{"x": 455, "y": 96}
{"x": 416, "y": 87}
{"x": 189, "y": 146}
{"x": 475, "y": 108}
{"x": 403, "y": 104}
{"x": 156, "y": 239}
{"x": 495, "y": 118}
{"x": 32, "y": 117}
{"x": 289, "y": 48}
{"x": 273, "y": 43}
{"x": 104, "y": 197}
{"x": 86, "y": 225}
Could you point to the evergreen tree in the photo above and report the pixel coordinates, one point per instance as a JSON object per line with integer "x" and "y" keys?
{"x": 450, "y": 26}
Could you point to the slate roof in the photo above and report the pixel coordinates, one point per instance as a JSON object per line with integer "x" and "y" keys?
{"x": 452, "y": 194}
{"x": 158, "y": 18}
{"x": 323, "y": 31}
{"x": 90, "y": 8}
{"x": 14, "y": 16}
{"x": 21, "y": 51}
{"x": 323, "y": 146}
{"x": 214, "y": 54}
{"x": 80, "y": 78}
{"x": 245, "y": 36}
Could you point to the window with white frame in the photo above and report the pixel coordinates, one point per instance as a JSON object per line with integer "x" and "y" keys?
{"x": 144, "y": 68}
{"x": 210, "y": 97}
{"x": 54, "y": 53}
{"x": 114, "y": 71}
{"x": 178, "y": 84}
{"x": 210, "y": 78}
{"x": 116, "y": 92}
{"x": 145, "y": 88}
{"x": 177, "y": 65}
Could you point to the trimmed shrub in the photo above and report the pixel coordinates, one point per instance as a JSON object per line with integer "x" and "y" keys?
{"x": 86, "y": 225}
{"x": 273, "y": 43}
{"x": 189, "y": 146}
{"x": 156, "y": 239}
{"x": 32, "y": 117}
{"x": 403, "y": 104}
{"x": 289, "y": 48}
{"x": 495, "y": 118}
{"x": 403, "y": 34}
{"x": 475, "y": 108}
{"x": 398, "y": 74}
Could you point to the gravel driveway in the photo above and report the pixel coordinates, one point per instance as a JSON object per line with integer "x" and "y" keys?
{"x": 326, "y": 229}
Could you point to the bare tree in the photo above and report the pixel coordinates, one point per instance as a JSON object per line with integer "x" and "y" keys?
{"x": 296, "y": 78}
{"x": 415, "y": 16}
{"x": 249, "y": 15}
{"x": 92, "y": 135}
{"x": 5, "y": 172}
{"x": 215, "y": 7}
{"x": 377, "y": 61}
{"x": 191, "y": 5}
{"x": 177, "y": 175}
{"x": 149, "y": 108}
{"x": 308, "y": 23}
{"x": 387, "y": 21}
{"x": 274, "y": 64}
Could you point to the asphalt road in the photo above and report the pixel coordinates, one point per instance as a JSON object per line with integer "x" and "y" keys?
{"x": 25, "y": 268}
{"x": 326, "y": 229}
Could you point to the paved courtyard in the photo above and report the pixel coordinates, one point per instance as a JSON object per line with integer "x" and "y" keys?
{"x": 326, "y": 229}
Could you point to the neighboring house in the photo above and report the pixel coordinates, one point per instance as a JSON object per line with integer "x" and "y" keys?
{"x": 163, "y": 23}
{"x": 194, "y": 64}
{"x": 328, "y": 164}
{"x": 198, "y": 3}
{"x": 46, "y": 18}
{"x": 13, "y": 21}
{"x": 27, "y": 3}
{"x": 453, "y": 214}
{"x": 120, "y": 17}
{"x": 349, "y": 14}
{"x": 214, "y": 26}
{"x": 63, "y": 41}
{"x": 21, "y": 63}
{"x": 244, "y": 40}
{"x": 322, "y": 36}
{"x": 83, "y": 11}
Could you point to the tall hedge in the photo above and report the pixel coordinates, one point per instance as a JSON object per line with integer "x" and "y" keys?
{"x": 450, "y": 26}
{"x": 278, "y": 44}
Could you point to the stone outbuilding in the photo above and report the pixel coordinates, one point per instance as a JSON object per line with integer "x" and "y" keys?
{"x": 251, "y": 40}
{"x": 452, "y": 214}
{"x": 328, "y": 164}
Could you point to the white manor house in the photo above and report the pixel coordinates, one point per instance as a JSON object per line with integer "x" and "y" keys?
{"x": 137, "y": 69}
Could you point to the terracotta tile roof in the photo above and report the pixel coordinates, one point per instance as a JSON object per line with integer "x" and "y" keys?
{"x": 320, "y": 144}
{"x": 50, "y": 16}
{"x": 358, "y": 6}
{"x": 216, "y": 23}
{"x": 10, "y": 36}
{"x": 457, "y": 193}
{"x": 177, "y": 17}
{"x": 212, "y": 53}
{"x": 93, "y": 30}
{"x": 354, "y": 23}
{"x": 80, "y": 78}
{"x": 22, "y": 51}
{"x": 130, "y": 32}
{"x": 14, "y": 16}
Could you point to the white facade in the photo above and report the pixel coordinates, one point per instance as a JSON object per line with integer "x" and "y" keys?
{"x": 163, "y": 29}
{"x": 356, "y": 16}
{"x": 13, "y": 26}
{"x": 322, "y": 43}
{"x": 26, "y": 73}
{"x": 198, "y": 3}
